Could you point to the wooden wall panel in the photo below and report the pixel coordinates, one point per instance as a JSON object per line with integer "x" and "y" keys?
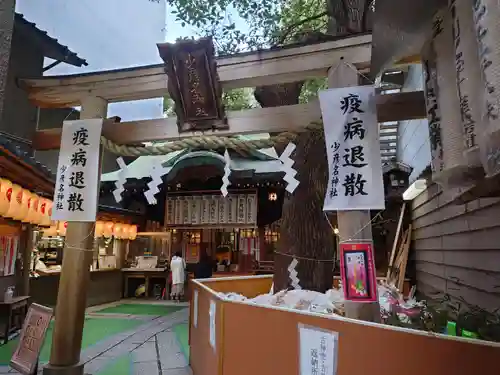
{"x": 456, "y": 248}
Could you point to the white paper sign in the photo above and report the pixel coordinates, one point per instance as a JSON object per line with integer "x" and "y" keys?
{"x": 211, "y": 314}
{"x": 195, "y": 309}
{"x": 77, "y": 184}
{"x": 318, "y": 351}
{"x": 353, "y": 149}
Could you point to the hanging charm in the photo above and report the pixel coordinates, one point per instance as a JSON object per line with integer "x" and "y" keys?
{"x": 287, "y": 167}
{"x": 157, "y": 171}
{"x": 117, "y": 193}
{"x": 292, "y": 273}
{"x": 227, "y": 172}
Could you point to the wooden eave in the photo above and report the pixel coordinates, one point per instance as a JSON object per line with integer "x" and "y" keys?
{"x": 241, "y": 70}
{"x": 18, "y": 171}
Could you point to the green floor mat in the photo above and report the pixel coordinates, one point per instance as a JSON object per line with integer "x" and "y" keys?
{"x": 140, "y": 309}
{"x": 121, "y": 366}
{"x": 94, "y": 331}
{"x": 182, "y": 333}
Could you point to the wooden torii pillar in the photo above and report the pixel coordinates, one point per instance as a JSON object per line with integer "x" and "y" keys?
{"x": 73, "y": 284}
{"x": 353, "y": 225}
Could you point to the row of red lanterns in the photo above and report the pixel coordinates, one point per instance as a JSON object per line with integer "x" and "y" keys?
{"x": 105, "y": 229}
{"x": 22, "y": 205}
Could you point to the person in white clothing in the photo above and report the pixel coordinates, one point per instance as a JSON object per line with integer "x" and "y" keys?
{"x": 177, "y": 269}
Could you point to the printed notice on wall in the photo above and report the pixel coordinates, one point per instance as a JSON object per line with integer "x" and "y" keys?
{"x": 318, "y": 351}
{"x": 211, "y": 313}
{"x": 77, "y": 183}
{"x": 195, "y": 308}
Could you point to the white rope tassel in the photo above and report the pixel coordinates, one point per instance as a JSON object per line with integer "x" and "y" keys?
{"x": 486, "y": 19}
{"x": 455, "y": 172}
{"x": 468, "y": 81}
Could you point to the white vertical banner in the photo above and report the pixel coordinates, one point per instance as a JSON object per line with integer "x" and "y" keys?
{"x": 251, "y": 208}
{"x": 178, "y": 211}
{"x": 77, "y": 183}
{"x": 318, "y": 351}
{"x": 170, "y": 209}
{"x": 223, "y": 209}
{"x": 242, "y": 209}
{"x": 186, "y": 209}
{"x": 205, "y": 210}
{"x": 214, "y": 209}
{"x": 212, "y": 317}
{"x": 232, "y": 213}
{"x": 195, "y": 209}
{"x": 353, "y": 149}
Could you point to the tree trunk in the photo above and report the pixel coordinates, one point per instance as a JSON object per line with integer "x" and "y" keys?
{"x": 305, "y": 232}
{"x": 7, "y": 8}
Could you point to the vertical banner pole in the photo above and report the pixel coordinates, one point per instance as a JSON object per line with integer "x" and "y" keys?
{"x": 74, "y": 279}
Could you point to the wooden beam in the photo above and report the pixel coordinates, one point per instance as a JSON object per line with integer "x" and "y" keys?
{"x": 241, "y": 70}
{"x": 390, "y": 107}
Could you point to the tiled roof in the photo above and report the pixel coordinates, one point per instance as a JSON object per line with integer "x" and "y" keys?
{"x": 14, "y": 149}
{"x": 50, "y": 46}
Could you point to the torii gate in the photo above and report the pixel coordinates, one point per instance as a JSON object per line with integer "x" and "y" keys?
{"x": 94, "y": 91}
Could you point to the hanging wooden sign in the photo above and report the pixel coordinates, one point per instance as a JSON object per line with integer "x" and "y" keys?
{"x": 242, "y": 209}
{"x": 178, "y": 211}
{"x": 232, "y": 209}
{"x": 251, "y": 208}
{"x": 195, "y": 210}
{"x": 205, "y": 210}
{"x": 193, "y": 84}
{"x": 186, "y": 203}
{"x": 169, "y": 212}
{"x": 223, "y": 209}
{"x": 214, "y": 209}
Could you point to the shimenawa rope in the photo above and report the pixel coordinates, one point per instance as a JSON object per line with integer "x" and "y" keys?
{"x": 204, "y": 142}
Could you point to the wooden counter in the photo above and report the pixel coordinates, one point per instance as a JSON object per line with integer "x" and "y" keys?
{"x": 105, "y": 286}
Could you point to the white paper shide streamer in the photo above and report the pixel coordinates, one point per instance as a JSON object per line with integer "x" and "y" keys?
{"x": 287, "y": 167}
{"x": 157, "y": 171}
{"x": 227, "y": 172}
{"x": 292, "y": 273}
{"x": 117, "y": 193}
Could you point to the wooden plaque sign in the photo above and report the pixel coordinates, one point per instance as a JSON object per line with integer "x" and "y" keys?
{"x": 193, "y": 84}
{"x": 25, "y": 358}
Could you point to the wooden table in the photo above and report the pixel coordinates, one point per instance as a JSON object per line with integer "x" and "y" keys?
{"x": 147, "y": 274}
{"x": 17, "y": 306}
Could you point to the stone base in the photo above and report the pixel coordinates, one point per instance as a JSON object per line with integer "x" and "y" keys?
{"x": 63, "y": 370}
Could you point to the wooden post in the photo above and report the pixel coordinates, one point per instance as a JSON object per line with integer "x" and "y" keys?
{"x": 73, "y": 284}
{"x": 353, "y": 225}
{"x": 28, "y": 248}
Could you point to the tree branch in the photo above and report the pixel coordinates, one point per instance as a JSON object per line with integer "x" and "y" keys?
{"x": 290, "y": 28}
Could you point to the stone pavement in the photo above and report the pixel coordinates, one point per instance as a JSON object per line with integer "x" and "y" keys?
{"x": 152, "y": 347}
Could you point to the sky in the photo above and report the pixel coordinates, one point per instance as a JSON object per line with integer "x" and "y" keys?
{"x": 109, "y": 34}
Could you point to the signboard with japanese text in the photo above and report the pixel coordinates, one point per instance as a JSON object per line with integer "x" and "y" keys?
{"x": 318, "y": 350}
{"x": 208, "y": 210}
{"x": 357, "y": 269}
{"x": 25, "y": 357}
{"x": 77, "y": 183}
{"x": 353, "y": 149}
